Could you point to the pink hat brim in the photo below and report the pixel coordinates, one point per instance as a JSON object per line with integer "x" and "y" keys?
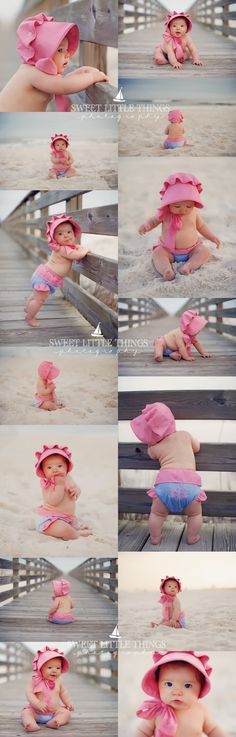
{"x": 50, "y": 452}
{"x": 47, "y": 371}
{"x": 179, "y": 192}
{"x": 48, "y": 655}
{"x": 150, "y": 683}
{"x": 37, "y": 44}
{"x": 173, "y": 578}
{"x": 180, "y": 15}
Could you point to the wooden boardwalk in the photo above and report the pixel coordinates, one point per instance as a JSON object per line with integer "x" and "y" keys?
{"x": 217, "y": 535}
{"x": 58, "y": 318}
{"x": 136, "y": 55}
{"x": 24, "y": 618}
{"x": 95, "y": 708}
{"x": 221, "y": 348}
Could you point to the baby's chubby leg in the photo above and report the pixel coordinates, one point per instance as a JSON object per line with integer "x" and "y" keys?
{"x": 50, "y": 406}
{"x": 194, "y": 523}
{"x": 158, "y": 514}
{"x": 61, "y": 717}
{"x": 71, "y": 172}
{"x": 34, "y": 305}
{"x": 28, "y": 720}
{"x": 200, "y": 256}
{"x": 159, "y": 56}
{"x": 65, "y": 531}
{"x": 162, "y": 261}
{"x": 158, "y": 349}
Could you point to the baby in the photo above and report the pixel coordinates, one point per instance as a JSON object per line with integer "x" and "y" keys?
{"x": 177, "y": 487}
{"x": 61, "y": 157}
{"x": 181, "y": 223}
{"x": 45, "y": 397}
{"x": 172, "y": 614}
{"x": 61, "y": 232}
{"x": 56, "y": 517}
{"x": 177, "y": 343}
{"x": 175, "y": 130}
{"x": 177, "y": 46}
{"x": 60, "y": 612}
{"x": 46, "y": 47}
{"x": 46, "y": 692}
{"x": 177, "y": 681}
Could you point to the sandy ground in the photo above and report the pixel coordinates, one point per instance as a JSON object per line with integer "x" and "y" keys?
{"x": 26, "y": 167}
{"x": 21, "y": 493}
{"x": 87, "y": 385}
{"x": 220, "y": 700}
{"x": 209, "y": 129}
{"x": 209, "y": 616}
{"x": 139, "y": 200}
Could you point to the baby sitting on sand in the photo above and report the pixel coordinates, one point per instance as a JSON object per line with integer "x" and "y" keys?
{"x": 56, "y": 517}
{"x": 45, "y": 397}
{"x": 46, "y": 691}
{"x": 60, "y": 612}
{"x": 172, "y": 614}
{"x": 177, "y": 46}
{"x": 177, "y": 487}
{"x": 175, "y": 130}
{"x": 177, "y": 343}
{"x": 181, "y": 223}
{"x": 61, "y": 157}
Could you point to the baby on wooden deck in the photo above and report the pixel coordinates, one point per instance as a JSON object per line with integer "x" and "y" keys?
{"x": 177, "y": 343}
{"x": 177, "y": 46}
{"x": 46, "y": 691}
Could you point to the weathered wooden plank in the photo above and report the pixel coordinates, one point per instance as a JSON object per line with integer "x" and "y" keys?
{"x": 185, "y": 405}
{"x": 170, "y": 539}
{"x": 205, "y": 544}
{"x": 211, "y": 457}
{"x": 224, "y": 536}
{"x": 98, "y": 22}
{"x": 133, "y": 536}
{"x": 218, "y": 504}
{"x": 215, "y": 535}
{"x": 97, "y": 220}
{"x": 144, "y": 365}
{"x": 91, "y": 308}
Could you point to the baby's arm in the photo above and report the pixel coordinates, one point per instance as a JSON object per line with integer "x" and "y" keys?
{"x": 206, "y": 232}
{"x": 73, "y": 489}
{"x": 167, "y": 129}
{"x": 171, "y": 57}
{"x": 72, "y": 603}
{"x": 194, "y": 52}
{"x": 175, "y": 612}
{"x": 54, "y": 607}
{"x": 64, "y": 696}
{"x": 58, "y": 85}
{"x": 74, "y": 254}
{"x": 182, "y": 348}
{"x": 200, "y": 349}
{"x": 54, "y": 494}
{"x": 149, "y": 225}
{"x": 34, "y": 702}
{"x": 42, "y": 389}
{"x": 195, "y": 444}
{"x": 145, "y": 728}
{"x": 210, "y": 728}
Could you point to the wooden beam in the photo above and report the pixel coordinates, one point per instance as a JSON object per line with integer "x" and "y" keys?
{"x": 185, "y": 404}
{"x": 211, "y": 457}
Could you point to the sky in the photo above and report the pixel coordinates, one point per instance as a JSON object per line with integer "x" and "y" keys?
{"x": 62, "y": 646}
{"x": 8, "y": 11}
{"x": 34, "y": 126}
{"x": 201, "y": 571}
{"x": 66, "y": 564}
{"x": 10, "y": 199}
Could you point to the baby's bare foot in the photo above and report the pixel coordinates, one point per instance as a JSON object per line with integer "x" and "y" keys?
{"x": 185, "y": 270}
{"x": 176, "y": 356}
{"x": 30, "y": 728}
{"x": 53, "y": 724}
{"x": 84, "y": 533}
{"x": 155, "y": 540}
{"x": 32, "y": 322}
{"x": 153, "y": 624}
{"x": 191, "y": 540}
{"x": 158, "y": 355}
{"x": 169, "y": 274}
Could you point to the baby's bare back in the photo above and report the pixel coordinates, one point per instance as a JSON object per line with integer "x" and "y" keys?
{"x": 190, "y": 721}
{"x": 175, "y": 130}
{"x": 64, "y": 604}
{"x": 20, "y": 95}
{"x": 176, "y": 451}
{"x": 187, "y": 235}
{"x": 171, "y": 338}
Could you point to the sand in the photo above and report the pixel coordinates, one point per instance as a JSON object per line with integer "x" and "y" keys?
{"x": 139, "y": 198}
{"x": 209, "y": 616}
{"x": 26, "y": 167}
{"x": 209, "y": 129}
{"x": 94, "y": 454}
{"x": 220, "y": 700}
{"x": 87, "y": 385}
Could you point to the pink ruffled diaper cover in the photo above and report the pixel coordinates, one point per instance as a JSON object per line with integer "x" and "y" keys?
{"x": 46, "y": 280}
{"x": 177, "y": 488}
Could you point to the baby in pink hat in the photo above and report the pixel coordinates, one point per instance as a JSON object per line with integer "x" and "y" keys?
{"x": 181, "y": 224}
{"x": 172, "y": 614}
{"x": 177, "y": 45}
{"x": 61, "y": 157}
{"x": 177, "y": 487}
{"x": 45, "y": 397}
{"x": 56, "y": 516}
{"x": 46, "y": 47}
{"x": 62, "y": 231}
{"x": 177, "y": 681}
{"x": 175, "y": 130}
{"x": 177, "y": 343}
{"x": 46, "y": 692}
{"x": 60, "y": 612}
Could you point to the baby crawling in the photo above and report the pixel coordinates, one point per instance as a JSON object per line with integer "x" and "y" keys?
{"x": 177, "y": 682}
{"x": 177, "y": 45}
{"x": 56, "y": 517}
{"x": 172, "y": 614}
{"x": 61, "y": 158}
{"x": 177, "y": 343}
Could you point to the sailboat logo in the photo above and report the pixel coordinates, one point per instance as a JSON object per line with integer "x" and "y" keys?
{"x": 115, "y": 634}
{"x": 119, "y": 97}
{"x": 97, "y": 333}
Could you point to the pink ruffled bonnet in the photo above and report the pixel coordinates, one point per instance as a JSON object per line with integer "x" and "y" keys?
{"x": 48, "y": 371}
{"x": 59, "y": 137}
{"x": 38, "y": 38}
{"x": 178, "y": 14}
{"x": 197, "y": 660}
{"x": 60, "y": 588}
{"x": 155, "y": 423}
{"x": 191, "y": 322}
{"x": 175, "y": 116}
{"x": 181, "y": 186}
{"x": 48, "y": 451}
{"x": 168, "y": 578}
{"x": 53, "y": 224}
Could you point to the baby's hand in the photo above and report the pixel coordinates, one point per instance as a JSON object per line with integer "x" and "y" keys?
{"x": 43, "y": 707}
{"x": 74, "y": 493}
{"x": 198, "y": 62}
{"x": 149, "y": 225}
{"x": 177, "y": 65}
{"x": 100, "y": 76}
{"x": 70, "y": 707}
{"x": 83, "y": 251}
{"x": 206, "y": 355}
{"x": 217, "y": 242}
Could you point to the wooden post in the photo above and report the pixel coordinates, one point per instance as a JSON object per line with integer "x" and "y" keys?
{"x": 27, "y": 572}
{"x": 219, "y": 318}
{"x": 225, "y": 20}
{"x": 16, "y": 567}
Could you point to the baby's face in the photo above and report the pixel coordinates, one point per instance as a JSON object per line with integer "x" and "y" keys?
{"x": 182, "y": 208}
{"x": 60, "y": 145}
{"x": 178, "y": 27}
{"x": 62, "y": 57}
{"x": 171, "y": 587}
{"x": 179, "y": 685}
{"x": 54, "y": 465}
{"x": 52, "y": 669}
{"x": 64, "y": 234}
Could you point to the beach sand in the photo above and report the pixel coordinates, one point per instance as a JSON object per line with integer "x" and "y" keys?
{"x": 87, "y": 385}
{"x": 26, "y": 167}
{"x": 209, "y": 129}
{"x": 140, "y": 180}
{"x": 220, "y": 700}
{"x": 21, "y": 493}
{"x": 209, "y": 616}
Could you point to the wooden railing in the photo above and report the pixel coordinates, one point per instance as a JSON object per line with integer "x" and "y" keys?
{"x": 192, "y": 405}
{"x": 101, "y": 573}
{"x": 217, "y": 15}
{"x": 98, "y": 23}
{"x": 29, "y": 230}
{"x": 217, "y": 312}
{"x": 15, "y": 659}
{"x": 138, "y": 311}
{"x": 139, "y": 14}
{"x": 22, "y": 575}
{"x": 98, "y": 663}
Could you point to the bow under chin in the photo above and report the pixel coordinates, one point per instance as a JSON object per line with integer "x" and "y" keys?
{"x": 153, "y": 708}
{"x": 38, "y": 680}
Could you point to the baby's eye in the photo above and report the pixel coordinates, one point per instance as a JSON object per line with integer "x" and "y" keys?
{"x": 187, "y": 685}
{"x": 169, "y": 684}
{"x": 60, "y": 50}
